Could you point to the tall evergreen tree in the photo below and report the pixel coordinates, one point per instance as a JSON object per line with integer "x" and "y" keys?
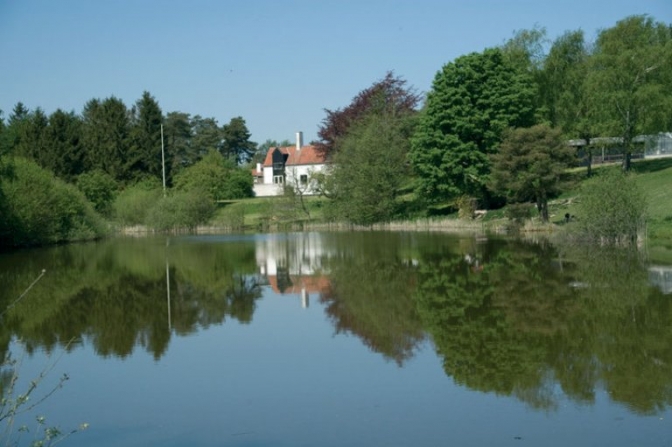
{"x": 237, "y": 145}
{"x": 206, "y": 137}
{"x": 63, "y": 149}
{"x": 32, "y": 142}
{"x": 106, "y": 137}
{"x": 18, "y": 120}
{"x": 145, "y": 156}
{"x": 177, "y": 140}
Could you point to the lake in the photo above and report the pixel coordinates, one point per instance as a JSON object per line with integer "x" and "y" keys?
{"x": 342, "y": 339}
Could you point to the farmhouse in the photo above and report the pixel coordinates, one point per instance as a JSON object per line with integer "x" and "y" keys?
{"x": 290, "y": 165}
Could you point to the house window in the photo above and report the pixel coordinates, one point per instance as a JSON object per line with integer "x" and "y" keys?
{"x": 278, "y": 179}
{"x": 278, "y": 166}
{"x": 303, "y": 179}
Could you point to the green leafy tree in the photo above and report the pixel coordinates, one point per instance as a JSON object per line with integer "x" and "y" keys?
{"x": 146, "y": 138}
{"x": 237, "y": 145}
{"x": 530, "y": 165}
{"x": 472, "y": 101}
{"x": 567, "y": 99}
{"x": 370, "y": 166}
{"x": 630, "y": 80}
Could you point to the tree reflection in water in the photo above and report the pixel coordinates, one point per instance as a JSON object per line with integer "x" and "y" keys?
{"x": 508, "y": 317}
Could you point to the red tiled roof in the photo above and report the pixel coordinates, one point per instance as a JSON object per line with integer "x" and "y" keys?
{"x": 312, "y": 284}
{"x": 308, "y": 155}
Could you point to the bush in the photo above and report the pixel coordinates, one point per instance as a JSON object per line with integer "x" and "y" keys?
{"x": 518, "y": 213}
{"x": 181, "y": 210}
{"x": 132, "y": 204}
{"x": 42, "y": 209}
{"x": 100, "y": 188}
{"x": 218, "y": 177}
{"x": 612, "y": 208}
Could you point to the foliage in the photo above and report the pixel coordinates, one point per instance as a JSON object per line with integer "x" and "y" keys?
{"x": 530, "y": 165}
{"x": 369, "y": 168}
{"x": 106, "y": 136}
{"x": 466, "y": 207}
{"x": 628, "y": 77}
{"x": 260, "y": 153}
{"x": 237, "y": 145}
{"x": 472, "y": 101}
{"x": 177, "y": 140}
{"x": 42, "y": 209}
{"x": 217, "y": 177}
{"x": 64, "y": 153}
{"x": 186, "y": 209}
{"x": 145, "y": 138}
{"x": 100, "y": 189}
{"x": 388, "y": 95}
{"x": 132, "y": 205}
{"x": 612, "y": 208}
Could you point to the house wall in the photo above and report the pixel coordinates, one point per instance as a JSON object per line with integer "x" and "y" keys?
{"x": 294, "y": 173}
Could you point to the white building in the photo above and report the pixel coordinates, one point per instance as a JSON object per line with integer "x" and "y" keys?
{"x": 290, "y": 165}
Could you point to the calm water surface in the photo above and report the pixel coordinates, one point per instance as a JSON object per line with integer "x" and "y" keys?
{"x": 343, "y": 339}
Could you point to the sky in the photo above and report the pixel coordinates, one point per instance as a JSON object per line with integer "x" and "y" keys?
{"x": 277, "y": 63}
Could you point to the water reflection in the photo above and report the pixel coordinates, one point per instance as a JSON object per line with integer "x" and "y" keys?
{"x": 505, "y": 317}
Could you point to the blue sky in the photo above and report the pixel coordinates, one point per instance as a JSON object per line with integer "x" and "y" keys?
{"x": 276, "y": 63}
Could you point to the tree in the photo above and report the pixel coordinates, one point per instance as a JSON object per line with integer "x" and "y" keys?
{"x": 390, "y": 93}
{"x": 369, "y": 168}
{"x": 237, "y": 144}
{"x": 146, "y": 138}
{"x": 206, "y": 137}
{"x": 16, "y": 123}
{"x": 565, "y": 94}
{"x": 630, "y": 80}
{"x": 530, "y": 164}
{"x": 106, "y": 137}
{"x": 31, "y": 142}
{"x": 64, "y": 154}
{"x": 260, "y": 153}
{"x": 472, "y": 101}
{"x": 177, "y": 140}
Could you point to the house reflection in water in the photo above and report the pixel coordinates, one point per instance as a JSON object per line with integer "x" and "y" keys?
{"x": 292, "y": 264}
{"x": 661, "y": 277}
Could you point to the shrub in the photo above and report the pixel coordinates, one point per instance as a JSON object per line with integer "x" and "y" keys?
{"x": 218, "y": 177}
{"x": 100, "y": 188}
{"x": 612, "y": 208}
{"x": 41, "y": 209}
{"x": 181, "y": 210}
{"x": 132, "y": 204}
{"x": 518, "y": 213}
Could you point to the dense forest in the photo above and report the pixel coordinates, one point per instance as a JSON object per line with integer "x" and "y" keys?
{"x": 491, "y": 131}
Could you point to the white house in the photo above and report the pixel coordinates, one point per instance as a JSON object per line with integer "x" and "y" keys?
{"x": 290, "y": 165}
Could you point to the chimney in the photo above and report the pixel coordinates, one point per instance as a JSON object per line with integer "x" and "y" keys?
{"x": 299, "y": 140}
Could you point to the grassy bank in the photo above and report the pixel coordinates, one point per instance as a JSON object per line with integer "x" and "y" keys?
{"x": 653, "y": 177}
